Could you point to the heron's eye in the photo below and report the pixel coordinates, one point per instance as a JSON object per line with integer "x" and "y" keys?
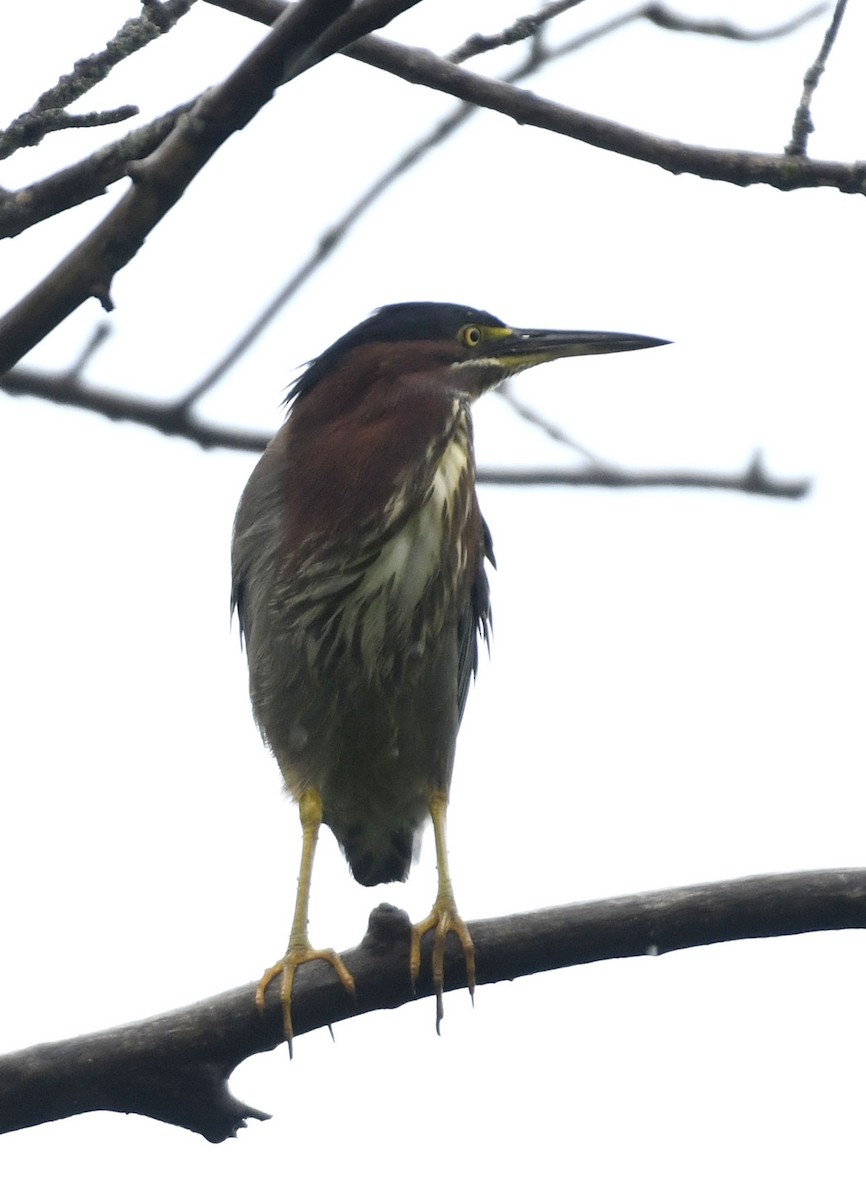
{"x": 470, "y": 335}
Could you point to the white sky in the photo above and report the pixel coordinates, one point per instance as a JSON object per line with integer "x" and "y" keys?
{"x": 675, "y": 692}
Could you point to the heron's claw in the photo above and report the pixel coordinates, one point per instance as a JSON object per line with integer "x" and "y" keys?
{"x": 445, "y": 919}
{"x": 296, "y": 956}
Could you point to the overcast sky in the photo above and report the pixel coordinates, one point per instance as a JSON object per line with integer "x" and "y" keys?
{"x": 675, "y": 691}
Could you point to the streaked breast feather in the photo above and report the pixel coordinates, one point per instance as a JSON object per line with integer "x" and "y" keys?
{"x": 388, "y": 604}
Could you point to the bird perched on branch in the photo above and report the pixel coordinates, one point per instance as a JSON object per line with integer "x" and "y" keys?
{"x": 359, "y": 581}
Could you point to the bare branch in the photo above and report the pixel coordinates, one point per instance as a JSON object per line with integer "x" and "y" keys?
{"x": 47, "y": 113}
{"x": 90, "y": 177}
{"x": 556, "y": 433}
{"x": 803, "y": 125}
{"x": 666, "y": 19}
{"x": 732, "y": 166}
{"x": 517, "y": 31}
{"x": 266, "y": 11}
{"x": 176, "y": 420}
{"x": 537, "y": 57}
{"x": 101, "y": 333}
{"x": 83, "y": 180}
{"x": 113, "y": 163}
{"x": 175, "y": 1068}
{"x": 160, "y": 180}
{"x": 173, "y": 419}
{"x": 754, "y": 480}
{"x": 738, "y": 167}
{"x": 324, "y": 248}
{"x": 657, "y": 14}
{"x": 30, "y": 128}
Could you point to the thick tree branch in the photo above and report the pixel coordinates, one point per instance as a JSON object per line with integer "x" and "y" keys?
{"x": 160, "y": 180}
{"x": 175, "y": 1068}
{"x": 738, "y": 167}
{"x": 92, "y": 175}
{"x": 731, "y": 166}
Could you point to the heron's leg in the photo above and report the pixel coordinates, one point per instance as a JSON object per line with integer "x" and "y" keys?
{"x": 299, "y": 949}
{"x": 444, "y": 917}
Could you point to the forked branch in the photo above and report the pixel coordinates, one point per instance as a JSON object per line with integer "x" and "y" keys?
{"x": 299, "y": 38}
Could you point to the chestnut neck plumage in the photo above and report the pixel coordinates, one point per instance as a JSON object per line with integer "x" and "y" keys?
{"x": 382, "y": 536}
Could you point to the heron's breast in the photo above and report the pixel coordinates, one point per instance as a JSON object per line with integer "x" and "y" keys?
{"x": 402, "y": 597}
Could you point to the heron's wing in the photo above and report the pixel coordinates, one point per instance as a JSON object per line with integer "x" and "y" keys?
{"x": 237, "y": 601}
{"x": 256, "y": 537}
{"x": 477, "y": 619}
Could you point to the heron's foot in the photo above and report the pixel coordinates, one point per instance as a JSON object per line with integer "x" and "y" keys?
{"x": 444, "y": 919}
{"x": 285, "y": 969}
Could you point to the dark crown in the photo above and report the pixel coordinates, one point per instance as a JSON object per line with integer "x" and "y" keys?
{"x": 408, "y": 322}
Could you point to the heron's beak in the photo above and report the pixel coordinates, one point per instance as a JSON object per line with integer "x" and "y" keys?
{"x": 521, "y": 348}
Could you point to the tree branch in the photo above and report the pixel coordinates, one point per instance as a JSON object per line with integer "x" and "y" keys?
{"x": 527, "y": 26}
{"x": 92, "y": 175}
{"x": 176, "y": 419}
{"x": 83, "y": 180}
{"x": 739, "y": 167}
{"x": 536, "y": 58}
{"x": 507, "y": 393}
{"x": 173, "y": 419}
{"x": 160, "y": 180}
{"x": 803, "y": 125}
{"x": 754, "y": 480}
{"x": 175, "y": 1068}
{"x": 715, "y": 27}
{"x": 47, "y": 114}
{"x": 657, "y": 14}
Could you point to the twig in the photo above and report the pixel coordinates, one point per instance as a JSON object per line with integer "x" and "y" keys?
{"x": 100, "y": 334}
{"x": 175, "y": 1068}
{"x": 524, "y": 27}
{"x": 30, "y": 128}
{"x": 754, "y": 480}
{"x": 666, "y": 19}
{"x": 657, "y": 14}
{"x": 47, "y": 113}
{"x": 803, "y": 124}
{"x": 556, "y": 433}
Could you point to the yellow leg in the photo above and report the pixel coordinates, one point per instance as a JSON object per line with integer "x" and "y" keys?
{"x": 299, "y": 949}
{"x": 444, "y": 917}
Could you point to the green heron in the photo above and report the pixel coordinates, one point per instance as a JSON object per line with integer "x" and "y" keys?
{"x": 359, "y": 580}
